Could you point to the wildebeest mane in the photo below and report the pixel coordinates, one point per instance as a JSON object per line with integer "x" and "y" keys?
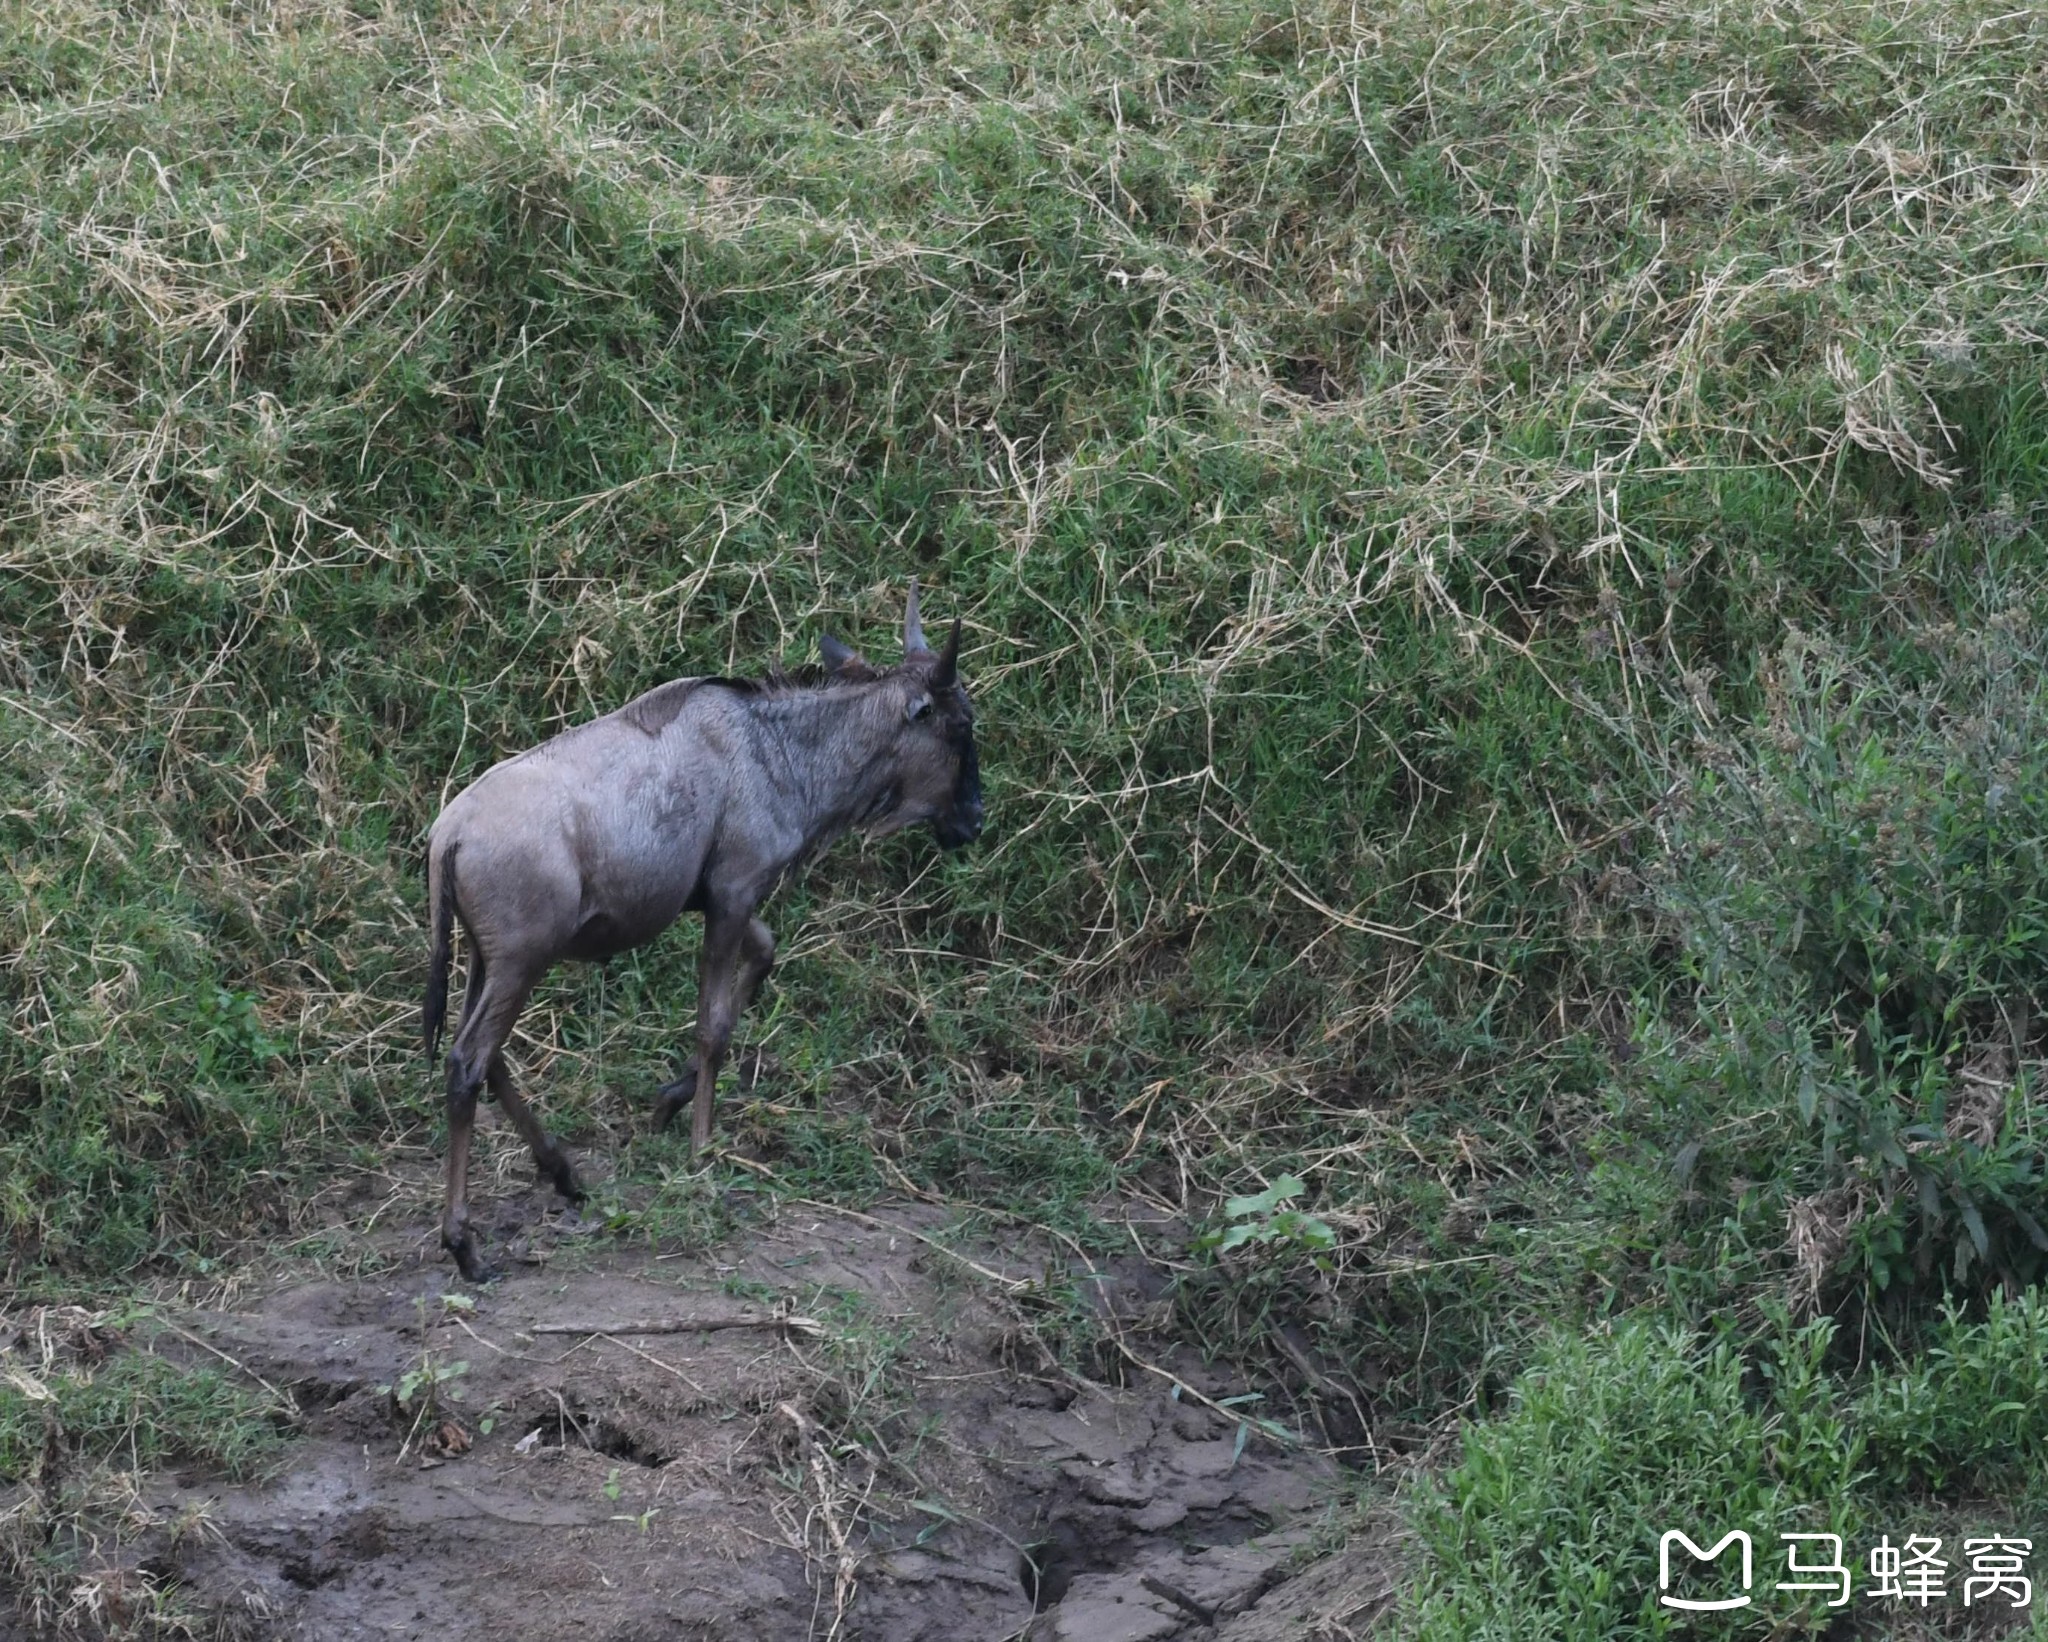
{"x": 653, "y": 712}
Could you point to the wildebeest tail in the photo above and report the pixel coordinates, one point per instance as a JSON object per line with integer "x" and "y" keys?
{"x": 440, "y": 955}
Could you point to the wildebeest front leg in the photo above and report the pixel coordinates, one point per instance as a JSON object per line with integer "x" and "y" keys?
{"x": 548, "y": 1155}
{"x": 717, "y": 1010}
{"x": 757, "y": 958}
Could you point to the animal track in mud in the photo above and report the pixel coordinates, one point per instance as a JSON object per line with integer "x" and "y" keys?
{"x": 564, "y": 1421}
{"x": 307, "y": 1573}
{"x": 313, "y": 1393}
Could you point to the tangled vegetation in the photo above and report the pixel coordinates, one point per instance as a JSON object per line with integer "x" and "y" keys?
{"x": 1502, "y": 549}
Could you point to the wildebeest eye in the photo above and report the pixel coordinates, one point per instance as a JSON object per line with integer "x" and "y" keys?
{"x": 919, "y": 706}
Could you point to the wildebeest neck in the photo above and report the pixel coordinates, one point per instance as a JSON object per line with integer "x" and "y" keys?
{"x": 833, "y": 751}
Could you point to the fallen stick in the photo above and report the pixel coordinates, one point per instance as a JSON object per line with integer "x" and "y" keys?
{"x": 1179, "y": 1598}
{"x": 683, "y": 1325}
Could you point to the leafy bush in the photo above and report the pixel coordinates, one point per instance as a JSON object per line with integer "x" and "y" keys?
{"x": 1549, "y": 1524}
{"x": 1860, "y": 884}
{"x": 1970, "y": 1417}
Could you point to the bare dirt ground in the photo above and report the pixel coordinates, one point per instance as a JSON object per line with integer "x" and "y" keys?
{"x": 832, "y": 1427}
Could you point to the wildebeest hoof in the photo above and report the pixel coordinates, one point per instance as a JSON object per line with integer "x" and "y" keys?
{"x": 671, "y": 1098}
{"x": 552, "y": 1164}
{"x": 467, "y": 1260}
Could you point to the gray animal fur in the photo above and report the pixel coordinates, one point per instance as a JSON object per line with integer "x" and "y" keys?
{"x": 698, "y": 796}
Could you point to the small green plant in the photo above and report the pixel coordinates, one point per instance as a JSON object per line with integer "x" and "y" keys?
{"x": 419, "y": 1396}
{"x": 1264, "y": 1218}
{"x": 429, "y": 1379}
{"x": 231, "y": 1038}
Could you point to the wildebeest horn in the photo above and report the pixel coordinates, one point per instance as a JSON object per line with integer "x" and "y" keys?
{"x": 949, "y": 659}
{"x": 913, "y": 629}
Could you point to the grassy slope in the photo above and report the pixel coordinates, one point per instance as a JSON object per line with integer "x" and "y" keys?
{"x": 1371, "y": 451}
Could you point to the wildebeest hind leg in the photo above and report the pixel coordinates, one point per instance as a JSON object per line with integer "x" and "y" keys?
{"x": 487, "y": 1018}
{"x": 548, "y": 1156}
{"x": 757, "y": 957}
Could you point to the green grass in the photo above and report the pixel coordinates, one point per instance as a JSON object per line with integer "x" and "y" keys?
{"x": 1416, "y": 482}
{"x": 137, "y": 1412}
{"x": 82, "y": 1424}
{"x": 1549, "y": 1524}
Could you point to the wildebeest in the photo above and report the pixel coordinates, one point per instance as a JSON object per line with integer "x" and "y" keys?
{"x": 695, "y": 797}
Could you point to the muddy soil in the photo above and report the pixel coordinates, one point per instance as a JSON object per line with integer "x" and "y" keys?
{"x": 831, "y": 1429}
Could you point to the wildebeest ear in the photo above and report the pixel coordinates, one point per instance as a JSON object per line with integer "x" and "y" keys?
{"x": 835, "y": 654}
{"x": 913, "y": 628}
{"x": 949, "y": 659}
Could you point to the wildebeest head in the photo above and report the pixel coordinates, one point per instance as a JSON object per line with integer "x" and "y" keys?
{"x": 938, "y": 770}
